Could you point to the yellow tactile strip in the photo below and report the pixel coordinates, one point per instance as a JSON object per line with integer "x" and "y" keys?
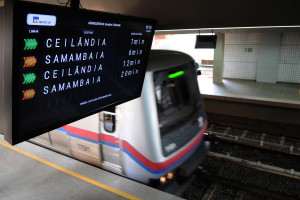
{"x": 79, "y": 176}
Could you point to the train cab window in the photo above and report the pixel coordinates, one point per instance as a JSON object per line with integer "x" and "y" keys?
{"x": 175, "y": 98}
{"x": 171, "y": 95}
{"x": 109, "y": 122}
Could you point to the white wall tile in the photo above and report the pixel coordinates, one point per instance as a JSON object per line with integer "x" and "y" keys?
{"x": 289, "y": 62}
{"x": 241, "y": 55}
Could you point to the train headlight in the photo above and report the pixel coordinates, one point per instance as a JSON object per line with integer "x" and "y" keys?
{"x": 163, "y": 179}
{"x": 170, "y": 175}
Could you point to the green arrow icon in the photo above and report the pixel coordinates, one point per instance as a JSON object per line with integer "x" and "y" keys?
{"x": 30, "y": 44}
{"x": 32, "y": 77}
{"x": 29, "y": 78}
{"x": 26, "y": 44}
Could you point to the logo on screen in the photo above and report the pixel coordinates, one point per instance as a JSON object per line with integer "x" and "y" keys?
{"x": 41, "y": 20}
{"x": 36, "y": 20}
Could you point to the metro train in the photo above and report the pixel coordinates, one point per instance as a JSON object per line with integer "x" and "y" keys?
{"x": 155, "y": 139}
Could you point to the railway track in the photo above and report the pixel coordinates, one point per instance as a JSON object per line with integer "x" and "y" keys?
{"x": 248, "y": 165}
{"x": 256, "y": 139}
{"x": 263, "y": 148}
{"x": 231, "y": 181}
{"x": 229, "y": 188}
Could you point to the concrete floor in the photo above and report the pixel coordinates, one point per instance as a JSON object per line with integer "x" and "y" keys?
{"x": 279, "y": 92}
{"x": 22, "y": 178}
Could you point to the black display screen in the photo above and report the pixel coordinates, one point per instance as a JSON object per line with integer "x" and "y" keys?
{"x": 68, "y": 64}
{"x": 206, "y": 41}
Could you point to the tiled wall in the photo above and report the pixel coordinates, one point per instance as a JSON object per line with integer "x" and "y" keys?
{"x": 289, "y": 62}
{"x": 241, "y": 55}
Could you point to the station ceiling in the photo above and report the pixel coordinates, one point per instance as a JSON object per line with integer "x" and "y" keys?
{"x": 194, "y": 14}
{"x": 189, "y": 14}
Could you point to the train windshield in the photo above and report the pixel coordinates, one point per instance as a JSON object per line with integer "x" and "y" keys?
{"x": 175, "y": 98}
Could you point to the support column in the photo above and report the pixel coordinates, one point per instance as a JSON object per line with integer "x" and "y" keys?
{"x": 219, "y": 59}
{"x": 7, "y": 24}
{"x": 268, "y": 57}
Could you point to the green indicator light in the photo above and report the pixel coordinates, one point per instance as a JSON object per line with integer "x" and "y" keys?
{"x": 30, "y": 44}
{"x": 176, "y": 74}
{"x": 29, "y": 78}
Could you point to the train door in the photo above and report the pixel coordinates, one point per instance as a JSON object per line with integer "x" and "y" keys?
{"x": 110, "y": 142}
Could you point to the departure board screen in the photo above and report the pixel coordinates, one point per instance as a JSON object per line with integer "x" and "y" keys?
{"x": 71, "y": 63}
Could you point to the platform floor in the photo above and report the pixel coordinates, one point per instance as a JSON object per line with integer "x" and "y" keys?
{"x": 28, "y": 171}
{"x": 248, "y": 89}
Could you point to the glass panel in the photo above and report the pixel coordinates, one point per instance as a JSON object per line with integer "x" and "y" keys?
{"x": 176, "y": 101}
{"x": 109, "y": 122}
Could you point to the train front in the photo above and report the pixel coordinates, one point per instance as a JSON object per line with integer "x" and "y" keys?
{"x": 175, "y": 121}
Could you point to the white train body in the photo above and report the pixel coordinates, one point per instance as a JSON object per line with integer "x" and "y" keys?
{"x": 148, "y": 137}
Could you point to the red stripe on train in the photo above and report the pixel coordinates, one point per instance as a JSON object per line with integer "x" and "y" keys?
{"x": 82, "y": 132}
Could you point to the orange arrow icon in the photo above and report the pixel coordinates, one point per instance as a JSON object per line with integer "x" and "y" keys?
{"x": 29, "y": 61}
{"x": 25, "y": 62}
{"x": 34, "y": 61}
{"x": 28, "y": 94}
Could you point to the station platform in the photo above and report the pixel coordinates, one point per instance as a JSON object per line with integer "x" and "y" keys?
{"x": 262, "y": 107}
{"x": 248, "y": 89}
{"x": 28, "y": 171}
